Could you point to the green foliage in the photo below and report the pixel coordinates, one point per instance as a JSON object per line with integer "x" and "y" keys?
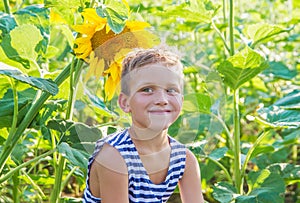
{"x": 116, "y": 13}
{"x": 240, "y": 115}
{"x": 242, "y": 67}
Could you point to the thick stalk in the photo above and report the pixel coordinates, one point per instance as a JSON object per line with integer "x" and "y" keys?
{"x": 55, "y": 194}
{"x": 237, "y": 150}
{"x": 74, "y": 78}
{"x": 33, "y": 111}
{"x": 6, "y": 6}
{"x": 237, "y": 131}
{"x": 16, "y": 184}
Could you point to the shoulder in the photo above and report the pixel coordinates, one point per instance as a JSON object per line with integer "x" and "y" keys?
{"x": 111, "y": 159}
{"x": 191, "y": 162}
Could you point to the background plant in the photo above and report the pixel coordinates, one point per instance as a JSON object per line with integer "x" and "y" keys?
{"x": 241, "y": 111}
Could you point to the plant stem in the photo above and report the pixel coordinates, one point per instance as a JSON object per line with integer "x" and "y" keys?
{"x": 33, "y": 111}
{"x": 11, "y": 172}
{"x": 16, "y": 184}
{"x": 74, "y": 78}
{"x": 228, "y": 134}
{"x": 16, "y": 110}
{"x": 223, "y": 168}
{"x": 55, "y": 194}
{"x": 231, "y": 24}
{"x": 220, "y": 34}
{"x": 248, "y": 156}
{"x": 6, "y": 6}
{"x": 75, "y": 72}
{"x": 237, "y": 150}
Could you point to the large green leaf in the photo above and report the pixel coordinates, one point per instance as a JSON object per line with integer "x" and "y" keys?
{"x": 279, "y": 70}
{"x": 283, "y": 113}
{"x": 77, "y": 135}
{"x": 224, "y": 192}
{"x": 7, "y": 23}
{"x": 275, "y": 116}
{"x": 11, "y": 53}
{"x": 24, "y": 40}
{"x": 38, "y": 16}
{"x": 196, "y": 103}
{"x": 265, "y": 187}
{"x": 289, "y": 172}
{"x": 191, "y": 11}
{"x": 75, "y": 156}
{"x": 242, "y": 67}
{"x": 290, "y": 101}
{"x": 40, "y": 83}
{"x": 263, "y": 32}
{"x": 7, "y": 106}
{"x": 116, "y": 13}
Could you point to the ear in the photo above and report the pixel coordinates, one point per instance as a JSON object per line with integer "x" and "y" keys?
{"x": 123, "y": 101}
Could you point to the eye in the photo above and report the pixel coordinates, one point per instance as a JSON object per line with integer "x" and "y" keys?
{"x": 172, "y": 91}
{"x": 147, "y": 89}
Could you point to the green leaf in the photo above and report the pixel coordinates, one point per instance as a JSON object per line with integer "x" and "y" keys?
{"x": 7, "y": 23}
{"x": 40, "y": 83}
{"x": 24, "y": 40}
{"x": 116, "y": 12}
{"x": 242, "y": 67}
{"x": 275, "y": 116}
{"x": 191, "y": 11}
{"x": 289, "y": 172}
{"x": 75, "y": 156}
{"x": 218, "y": 153}
{"x": 224, "y": 192}
{"x": 265, "y": 186}
{"x": 262, "y": 149}
{"x": 97, "y": 104}
{"x": 25, "y": 99}
{"x": 261, "y": 33}
{"x": 38, "y": 16}
{"x": 283, "y": 113}
{"x": 290, "y": 101}
{"x": 279, "y": 70}
{"x": 77, "y": 135}
{"x": 196, "y": 103}
{"x": 7, "y": 51}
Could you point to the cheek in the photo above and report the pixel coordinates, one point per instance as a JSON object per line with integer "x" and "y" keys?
{"x": 177, "y": 102}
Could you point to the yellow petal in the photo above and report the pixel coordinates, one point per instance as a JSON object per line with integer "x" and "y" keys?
{"x": 99, "y": 68}
{"x": 55, "y": 17}
{"x": 109, "y": 89}
{"x": 136, "y": 25}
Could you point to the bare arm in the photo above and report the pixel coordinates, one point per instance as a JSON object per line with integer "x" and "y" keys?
{"x": 190, "y": 183}
{"x": 109, "y": 176}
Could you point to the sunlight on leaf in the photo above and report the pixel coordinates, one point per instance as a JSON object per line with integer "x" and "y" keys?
{"x": 242, "y": 67}
{"x": 24, "y": 39}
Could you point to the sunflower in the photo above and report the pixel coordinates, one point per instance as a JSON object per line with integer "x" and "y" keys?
{"x": 104, "y": 50}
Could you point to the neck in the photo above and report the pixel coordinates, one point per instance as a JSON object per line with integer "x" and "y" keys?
{"x": 148, "y": 141}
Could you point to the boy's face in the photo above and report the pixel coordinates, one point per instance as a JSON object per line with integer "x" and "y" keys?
{"x": 155, "y": 96}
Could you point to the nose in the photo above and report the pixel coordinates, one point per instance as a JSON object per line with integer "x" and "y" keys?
{"x": 161, "y": 98}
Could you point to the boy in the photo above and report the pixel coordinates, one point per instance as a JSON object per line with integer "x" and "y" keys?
{"x": 143, "y": 163}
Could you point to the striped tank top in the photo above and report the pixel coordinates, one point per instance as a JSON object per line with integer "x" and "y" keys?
{"x": 140, "y": 187}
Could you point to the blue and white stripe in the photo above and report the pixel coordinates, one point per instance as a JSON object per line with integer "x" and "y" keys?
{"x": 141, "y": 189}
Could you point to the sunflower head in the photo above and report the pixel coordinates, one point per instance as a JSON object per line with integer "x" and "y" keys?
{"x": 104, "y": 50}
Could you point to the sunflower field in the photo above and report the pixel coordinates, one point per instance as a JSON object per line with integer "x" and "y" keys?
{"x": 60, "y": 67}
